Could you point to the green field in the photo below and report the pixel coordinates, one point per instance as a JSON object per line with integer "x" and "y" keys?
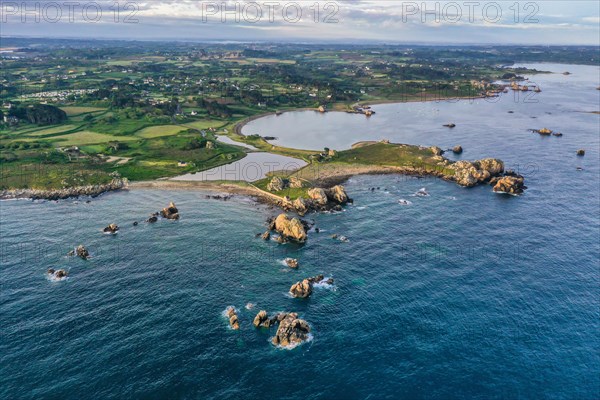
{"x": 160, "y": 130}
{"x": 86, "y": 137}
{"x": 74, "y": 110}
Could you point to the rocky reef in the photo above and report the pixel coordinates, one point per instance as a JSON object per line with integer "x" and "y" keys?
{"x": 290, "y": 229}
{"x": 472, "y": 173}
{"x": 233, "y": 318}
{"x": 80, "y": 252}
{"x": 304, "y": 288}
{"x": 117, "y": 183}
{"x": 291, "y": 262}
{"x": 170, "y": 212}
{"x": 112, "y": 228}
{"x": 292, "y": 331}
{"x": 57, "y": 274}
{"x": 262, "y": 320}
{"x": 510, "y": 184}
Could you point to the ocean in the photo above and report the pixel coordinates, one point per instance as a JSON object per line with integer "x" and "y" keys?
{"x": 460, "y": 294}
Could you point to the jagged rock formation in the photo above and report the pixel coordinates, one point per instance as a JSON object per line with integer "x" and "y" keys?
{"x": 292, "y": 330}
{"x": 81, "y": 252}
{"x": 304, "y": 288}
{"x": 290, "y": 228}
{"x": 337, "y": 194}
{"x": 436, "y": 151}
{"x": 112, "y": 228}
{"x": 233, "y": 318}
{"x": 276, "y": 185}
{"x": 509, "y": 184}
{"x": 170, "y": 212}
{"x": 262, "y": 320}
{"x": 470, "y": 174}
{"x": 318, "y": 196}
{"x": 300, "y": 206}
{"x": 292, "y": 263}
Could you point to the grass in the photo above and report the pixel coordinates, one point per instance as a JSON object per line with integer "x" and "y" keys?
{"x": 74, "y": 111}
{"x": 160, "y": 130}
{"x": 204, "y": 124}
{"x": 52, "y": 131}
{"x": 86, "y": 137}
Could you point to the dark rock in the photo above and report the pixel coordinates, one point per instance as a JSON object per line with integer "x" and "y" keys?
{"x": 581, "y": 152}
{"x": 112, "y": 228}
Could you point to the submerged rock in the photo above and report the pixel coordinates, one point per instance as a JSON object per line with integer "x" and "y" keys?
{"x": 152, "y": 219}
{"x": 266, "y": 235}
{"x": 290, "y": 228}
{"x": 581, "y": 152}
{"x": 233, "y": 318}
{"x": 451, "y": 125}
{"x": 292, "y": 331}
{"x": 112, "y": 228}
{"x": 170, "y": 212}
{"x": 291, "y": 262}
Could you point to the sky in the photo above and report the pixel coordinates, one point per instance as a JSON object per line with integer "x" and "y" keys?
{"x": 356, "y": 21}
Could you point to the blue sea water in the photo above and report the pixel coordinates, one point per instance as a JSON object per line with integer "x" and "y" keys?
{"x": 461, "y": 294}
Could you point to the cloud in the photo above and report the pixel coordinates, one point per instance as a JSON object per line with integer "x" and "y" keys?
{"x": 357, "y": 20}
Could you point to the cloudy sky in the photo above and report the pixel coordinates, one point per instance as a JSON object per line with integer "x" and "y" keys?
{"x": 514, "y": 22}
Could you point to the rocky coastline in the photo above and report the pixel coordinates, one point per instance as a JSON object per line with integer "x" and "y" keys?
{"x": 116, "y": 184}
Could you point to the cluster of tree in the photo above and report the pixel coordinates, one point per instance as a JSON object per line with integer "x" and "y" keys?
{"x": 40, "y": 114}
{"x": 195, "y": 143}
{"x": 215, "y": 108}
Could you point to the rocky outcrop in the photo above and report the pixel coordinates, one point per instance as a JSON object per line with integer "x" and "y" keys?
{"x": 436, "y": 151}
{"x": 290, "y": 228}
{"x": 117, "y": 183}
{"x": 170, "y": 212}
{"x": 276, "y": 185}
{"x": 457, "y": 149}
{"x": 81, "y": 252}
{"x": 581, "y": 152}
{"x": 469, "y": 174}
{"x": 318, "y": 196}
{"x": 266, "y": 235}
{"x": 262, "y": 320}
{"x": 295, "y": 183}
{"x": 291, "y": 262}
{"x": 57, "y": 274}
{"x": 300, "y": 206}
{"x": 233, "y": 318}
{"x": 112, "y": 228}
{"x": 451, "y": 125}
{"x": 337, "y": 194}
{"x": 304, "y": 288}
{"x": 292, "y": 331}
{"x": 152, "y": 219}
{"x": 510, "y": 184}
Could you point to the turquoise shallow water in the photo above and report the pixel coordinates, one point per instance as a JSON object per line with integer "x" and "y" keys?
{"x": 463, "y": 294}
